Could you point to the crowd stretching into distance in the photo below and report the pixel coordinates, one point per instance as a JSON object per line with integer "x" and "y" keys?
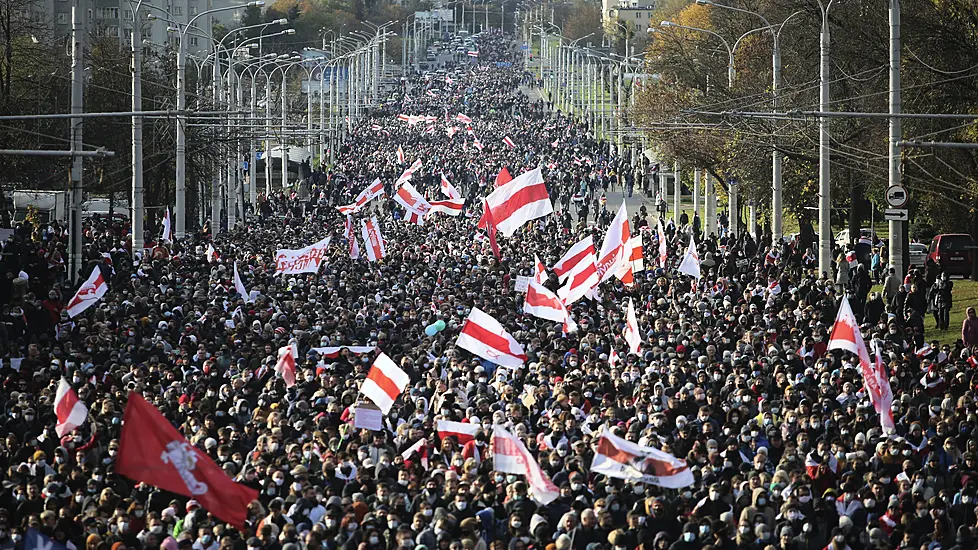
{"x": 715, "y": 395}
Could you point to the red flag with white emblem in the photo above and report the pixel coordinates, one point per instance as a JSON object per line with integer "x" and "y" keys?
{"x": 151, "y": 450}
{"x": 90, "y": 292}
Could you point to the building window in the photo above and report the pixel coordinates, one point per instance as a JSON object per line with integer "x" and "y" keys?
{"x": 192, "y": 10}
{"x": 128, "y": 15}
{"x": 193, "y": 40}
{"x": 63, "y": 18}
{"x": 638, "y": 15}
{"x": 177, "y": 10}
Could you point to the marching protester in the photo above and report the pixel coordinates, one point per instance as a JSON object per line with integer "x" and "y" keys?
{"x": 432, "y": 350}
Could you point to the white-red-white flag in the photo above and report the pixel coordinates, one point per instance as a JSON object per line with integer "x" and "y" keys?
{"x": 351, "y": 237}
{"x": 451, "y": 131}
{"x": 408, "y": 173}
{"x": 463, "y": 432}
{"x": 384, "y": 383}
{"x": 373, "y": 190}
{"x": 451, "y": 207}
{"x": 463, "y": 119}
{"x": 615, "y": 250}
{"x": 578, "y": 266}
{"x": 212, "y": 255}
{"x": 539, "y": 270}
{"x": 613, "y": 358}
{"x": 477, "y": 144}
{"x": 622, "y": 459}
{"x": 632, "y": 334}
{"x": 90, "y": 292}
{"x": 484, "y": 336}
{"x": 691, "y": 261}
{"x": 541, "y": 302}
{"x": 510, "y": 456}
{"x": 70, "y": 410}
{"x": 420, "y": 447}
{"x": 448, "y": 189}
{"x": 508, "y": 141}
{"x": 239, "y": 285}
{"x": 167, "y": 231}
{"x": 285, "y": 366}
{"x": 626, "y": 273}
{"x": 846, "y": 336}
{"x": 373, "y": 240}
{"x": 412, "y": 200}
{"x": 519, "y": 201}
{"x": 663, "y": 250}
{"x": 400, "y": 155}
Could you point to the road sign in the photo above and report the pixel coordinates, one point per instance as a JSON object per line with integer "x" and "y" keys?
{"x": 897, "y": 196}
{"x": 524, "y": 47}
{"x": 896, "y": 214}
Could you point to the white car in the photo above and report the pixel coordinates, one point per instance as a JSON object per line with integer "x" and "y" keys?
{"x": 918, "y": 254}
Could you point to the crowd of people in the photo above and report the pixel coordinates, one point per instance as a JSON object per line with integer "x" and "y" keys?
{"x": 733, "y": 376}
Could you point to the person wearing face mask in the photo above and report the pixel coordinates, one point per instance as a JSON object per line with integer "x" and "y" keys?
{"x": 689, "y": 540}
{"x": 760, "y": 505}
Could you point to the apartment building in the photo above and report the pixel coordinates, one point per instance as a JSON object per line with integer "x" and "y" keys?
{"x": 115, "y": 18}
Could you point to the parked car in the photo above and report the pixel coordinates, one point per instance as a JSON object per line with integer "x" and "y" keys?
{"x": 842, "y": 237}
{"x": 918, "y": 254}
{"x": 953, "y": 252}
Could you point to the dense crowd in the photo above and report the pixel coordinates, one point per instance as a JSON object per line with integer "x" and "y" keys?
{"x": 733, "y": 375}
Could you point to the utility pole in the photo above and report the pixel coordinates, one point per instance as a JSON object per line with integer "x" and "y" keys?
{"x": 137, "y": 132}
{"x": 895, "y": 177}
{"x": 77, "y": 106}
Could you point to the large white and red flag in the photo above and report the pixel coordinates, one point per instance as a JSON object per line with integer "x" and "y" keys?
{"x": 400, "y": 155}
{"x": 463, "y": 432}
{"x": 510, "y": 456}
{"x": 663, "y": 250}
{"x": 384, "y": 383}
{"x": 212, "y": 255}
{"x": 239, "y": 285}
{"x": 421, "y": 447}
{"x": 451, "y": 131}
{"x": 412, "y": 201}
{"x": 509, "y": 142}
{"x": 70, "y": 410}
{"x": 488, "y": 223}
{"x": 578, "y": 265}
{"x": 615, "y": 251}
{"x": 622, "y": 459}
{"x": 484, "y": 336}
{"x": 373, "y": 240}
{"x": 285, "y": 366}
{"x": 463, "y": 119}
{"x": 351, "y": 237}
{"x": 373, "y": 190}
{"x": 448, "y": 189}
{"x": 477, "y": 144}
{"x": 632, "y": 334}
{"x": 90, "y": 292}
{"x": 846, "y": 336}
{"x": 691, "y": 261}
{"x": 519, "y": 201}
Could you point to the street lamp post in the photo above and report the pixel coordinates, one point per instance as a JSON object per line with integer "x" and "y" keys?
{"x": 777, "y": 218}
{"x": 824, "y": 168}
{"x": 179, "y": 210}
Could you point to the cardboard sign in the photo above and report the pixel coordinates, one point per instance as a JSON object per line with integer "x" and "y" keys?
{"x": 368, "y": 417}
{"x": 522, "y": 283}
